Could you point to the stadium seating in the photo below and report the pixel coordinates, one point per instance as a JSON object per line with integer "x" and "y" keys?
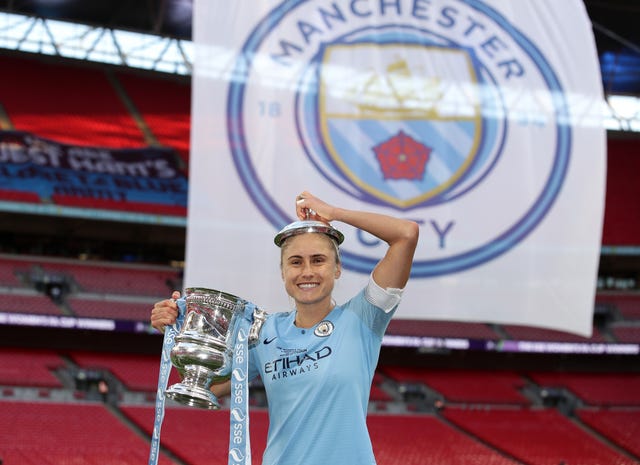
{"x": 49, "y": 433}
{"x": 464, "y": 386}
{"x": 483, "y": 419}
{"x": 426, "y": 440}
{"x": 622, "y": 427}
{"x": 44, "y": 99}
{"x": 166, "y": 108}
{"x": 535, "y": 436}
{"x": 19, "y": 196}
{"x": 135, "y": 372}
{"x": 602, "y": 389}
{"x": 9, "y": 271}
{"x": 30, "y": 303}
{"x": 98, "y": 277}
{"x": 29, "y": 367}
{"x": 476, "y": 417}
{"x": 109, "y": 308}
{"x": 120, "y": 280}
{"x": 626, "y": 333}
{"x": 200, "y": 436}
{"x": 119, "y": 205}
{"x": 627, "y": 304}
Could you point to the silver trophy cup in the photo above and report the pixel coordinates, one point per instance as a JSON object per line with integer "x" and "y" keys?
{"x": 203, "y": 347}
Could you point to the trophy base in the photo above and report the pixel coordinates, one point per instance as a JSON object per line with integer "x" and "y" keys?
{"x": 193, "y": 396}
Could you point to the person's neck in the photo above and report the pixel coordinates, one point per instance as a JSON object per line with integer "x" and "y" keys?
{"x": 310, "y": 315}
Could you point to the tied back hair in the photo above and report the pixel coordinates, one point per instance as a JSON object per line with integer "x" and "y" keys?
{"x": 334, "y": 246}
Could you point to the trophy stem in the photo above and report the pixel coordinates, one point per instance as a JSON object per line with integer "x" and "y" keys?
{"x": 194, "y": 390}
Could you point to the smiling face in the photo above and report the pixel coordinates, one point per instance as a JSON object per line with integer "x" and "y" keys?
{"x": 310, "y": 265}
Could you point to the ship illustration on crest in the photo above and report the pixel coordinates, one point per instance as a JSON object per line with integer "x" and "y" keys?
{"x": 401, "y": 124}
{"x": 396, "y": 94}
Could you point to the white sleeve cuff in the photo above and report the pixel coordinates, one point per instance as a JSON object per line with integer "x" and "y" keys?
{"x": 385, "y": 299}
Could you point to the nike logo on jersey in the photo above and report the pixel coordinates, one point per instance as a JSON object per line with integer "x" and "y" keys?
{"x": 269, "y": 341}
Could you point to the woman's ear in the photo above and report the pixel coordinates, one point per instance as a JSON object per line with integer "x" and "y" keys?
{"x": 338, "y": 272}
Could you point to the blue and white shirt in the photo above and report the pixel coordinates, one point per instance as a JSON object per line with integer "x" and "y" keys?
{"x": 318, "y": 381}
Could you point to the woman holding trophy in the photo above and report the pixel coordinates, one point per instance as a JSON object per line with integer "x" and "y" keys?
{"x": 317, "y": 361}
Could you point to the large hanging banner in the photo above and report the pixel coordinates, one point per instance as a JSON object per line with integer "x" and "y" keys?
{"x": 478, "y": 119}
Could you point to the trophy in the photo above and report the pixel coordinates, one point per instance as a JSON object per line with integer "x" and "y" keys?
{"x": 203, "y": 347}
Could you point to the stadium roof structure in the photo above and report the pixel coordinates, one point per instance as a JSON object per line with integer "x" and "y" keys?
{"x": 614, "y": 23}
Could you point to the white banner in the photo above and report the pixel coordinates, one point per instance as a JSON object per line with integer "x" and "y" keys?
{"x": 478, "y": 119}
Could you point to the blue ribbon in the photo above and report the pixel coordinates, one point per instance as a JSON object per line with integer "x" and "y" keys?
{"x": 239, "y": 442}
{"x": 170, "y": 334}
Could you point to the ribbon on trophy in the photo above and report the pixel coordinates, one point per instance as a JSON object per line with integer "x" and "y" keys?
{"x": 168, "y": 342}
{"x": 239, "y": 441}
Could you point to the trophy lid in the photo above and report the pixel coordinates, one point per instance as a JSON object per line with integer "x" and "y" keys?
{"x": 308, "y": 226}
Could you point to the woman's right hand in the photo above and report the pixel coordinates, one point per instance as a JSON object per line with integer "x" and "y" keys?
{"x": 165, "y": 312}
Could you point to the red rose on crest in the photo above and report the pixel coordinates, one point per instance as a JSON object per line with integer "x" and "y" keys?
{"x": 402, "y": 157}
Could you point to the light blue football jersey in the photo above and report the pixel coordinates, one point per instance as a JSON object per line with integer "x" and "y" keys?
{"x": 318, "y": 382}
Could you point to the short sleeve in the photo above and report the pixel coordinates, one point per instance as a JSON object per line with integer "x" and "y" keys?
{"x": 385, "y": 299}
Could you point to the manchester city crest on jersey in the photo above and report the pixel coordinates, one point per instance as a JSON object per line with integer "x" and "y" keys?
{"x": 324, "y": 329}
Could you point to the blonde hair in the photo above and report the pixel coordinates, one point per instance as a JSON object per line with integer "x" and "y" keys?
{"x": 334, "y": 244}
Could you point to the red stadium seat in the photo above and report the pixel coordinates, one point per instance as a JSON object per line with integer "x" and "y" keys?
{"x": 609, "y": 388}
{"x": 47, "y": 433}
{"x": 166, "y": 108}
{"x": 620, "y": 426}
{"x": 465, "y": 386}
{"x": 29, "y": 367}
{"x": 536, "y": 436}
{"x": 50, "y": 100}
{"x": 135, "y": 372}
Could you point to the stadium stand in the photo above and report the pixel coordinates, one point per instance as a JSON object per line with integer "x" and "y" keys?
{"x": 35, "y": 303}
{"x": 169, "y": 117}
{"x": 464, "y": 386}
{"x": 9, "y": 269}
{"x": 109, "y": 308}
{"x": 625, "y": 304}
{"x": 622, "y": 427}
{"x": 18, "y": 196}
{"x": 535, "y": 436}
{"x": 44, "y": 98}
{"x": 83, "y": 276}
{"x": 118, "y": 205}
{"x": 498, "y": 425}
{"x": 620, "y": 227}
{"x": 434, "y": 442}
{"x": 136, "y": 373}
{"x": 602, "y": 389}
{"x": 200, "y": 436}
{"x": 626, "y": 333}
{"x": 25, "y": 367}
{"x": 420, "y": 414}
{"x": 43, "y": 433}
{"x": 204, "y": 438}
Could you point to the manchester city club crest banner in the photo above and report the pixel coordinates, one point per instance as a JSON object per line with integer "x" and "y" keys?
{"x": 479, "y": 119}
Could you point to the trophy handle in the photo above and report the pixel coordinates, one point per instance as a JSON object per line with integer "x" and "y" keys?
{"x": 259, "y": 317}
